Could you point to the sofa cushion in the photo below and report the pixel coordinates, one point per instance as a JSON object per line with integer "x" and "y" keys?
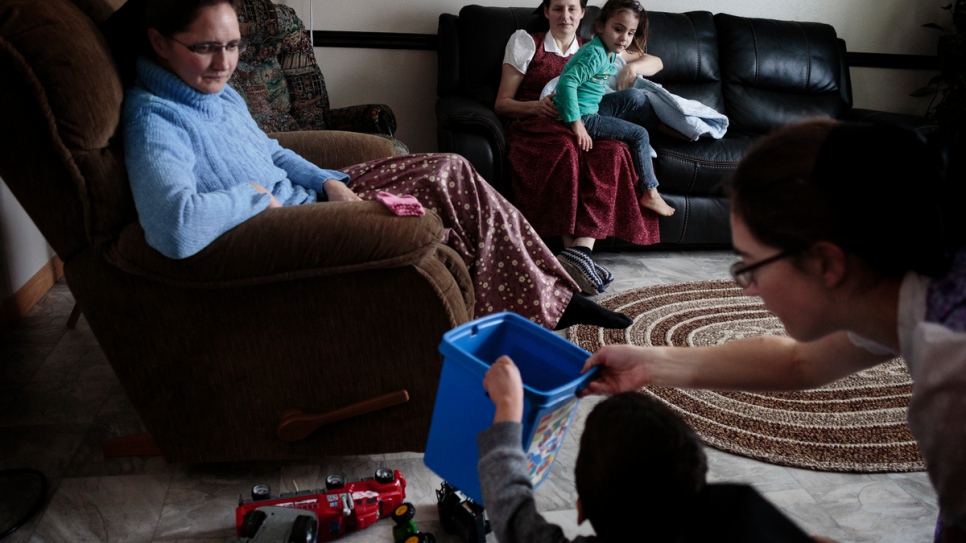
{"x": 687, "y": 44}
{"x": 259, "y": 77}
{"x": 62, "y": 94}
{"x": 778, "y": 72}
{"x": 699, "y": 167}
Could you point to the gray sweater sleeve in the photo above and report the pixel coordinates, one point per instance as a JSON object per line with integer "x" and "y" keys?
{"x": 506, "y": 488}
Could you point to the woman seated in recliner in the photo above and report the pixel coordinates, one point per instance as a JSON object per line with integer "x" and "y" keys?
{"x": 199, "y": 166}
{"x": 580, "y": 196}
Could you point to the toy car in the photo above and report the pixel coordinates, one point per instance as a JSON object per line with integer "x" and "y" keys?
{"x": 340, "y": 506}
{"x": 405, "y": 530}
{"x": 278, "y": 525}
{"x": 461, "y": 515}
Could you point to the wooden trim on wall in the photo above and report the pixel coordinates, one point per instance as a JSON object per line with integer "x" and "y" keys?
{"x": 30, "y": 293}
{"x": 375, "y": 40}
{"x": 898, "y": 62}
{"x": 429, "y": 42}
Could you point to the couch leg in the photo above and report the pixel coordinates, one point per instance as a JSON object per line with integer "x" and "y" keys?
{"x": 133, "y": 445}
{"x": 74, "y": 315}
{"x": 294, "y": 424}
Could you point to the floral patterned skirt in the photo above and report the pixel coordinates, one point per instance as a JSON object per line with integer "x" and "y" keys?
{"x": 512, "y": 269}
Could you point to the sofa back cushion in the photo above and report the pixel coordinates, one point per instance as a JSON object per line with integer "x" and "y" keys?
{"x": 777, "y": 72}
{"x": 687, "y": 44}
{"x": 60, "y": 96}
{"x": 482, "y": 35}
{"x": 278, "y": 75}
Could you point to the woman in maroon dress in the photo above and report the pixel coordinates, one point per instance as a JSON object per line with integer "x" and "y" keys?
{"x": 562, "y": 191}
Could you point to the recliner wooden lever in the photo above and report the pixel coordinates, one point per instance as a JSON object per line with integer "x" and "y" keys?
{"x": 294, "y": 424}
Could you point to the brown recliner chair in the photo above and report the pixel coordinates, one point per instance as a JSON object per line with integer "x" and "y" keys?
{"x": 311, "y": 308}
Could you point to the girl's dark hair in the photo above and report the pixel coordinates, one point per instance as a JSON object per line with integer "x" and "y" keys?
{"x": 172, "y": 16}
{"x": 639, "y": 465}
{"x": 876, "y": 191}
{"x": 546, "y": 4}
{"x": 613, "y": 7}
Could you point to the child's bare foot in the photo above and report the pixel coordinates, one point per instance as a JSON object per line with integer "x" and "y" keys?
{"x": 653, "y": 201}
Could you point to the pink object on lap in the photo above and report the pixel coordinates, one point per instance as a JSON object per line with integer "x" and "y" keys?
{"x": 403, "y": 206}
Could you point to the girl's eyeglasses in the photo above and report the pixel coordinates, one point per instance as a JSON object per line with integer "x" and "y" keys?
{"x": 208, "y": 49}
{"x": 745, "y": 275}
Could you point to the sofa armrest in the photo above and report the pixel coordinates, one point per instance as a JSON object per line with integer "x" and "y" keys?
{"x": 468, "y": 128}
{"x": 290, "y": 242}
{"x": 871, "y": 116}
{"x": 334, "y": 149}
{"x": 454, "y": 112}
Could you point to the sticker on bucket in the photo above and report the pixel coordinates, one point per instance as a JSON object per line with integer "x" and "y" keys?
{"x": 547, "y": 440}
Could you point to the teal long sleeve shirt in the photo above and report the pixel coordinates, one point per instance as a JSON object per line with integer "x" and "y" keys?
{"x": 583, "y": 81}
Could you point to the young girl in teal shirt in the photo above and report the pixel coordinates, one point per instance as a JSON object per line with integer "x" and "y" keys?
{"x": 623, "y": 115}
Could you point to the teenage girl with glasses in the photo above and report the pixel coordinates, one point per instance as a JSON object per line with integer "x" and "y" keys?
{"x": 623, "y": 115}
{"x": 856, "y": 275}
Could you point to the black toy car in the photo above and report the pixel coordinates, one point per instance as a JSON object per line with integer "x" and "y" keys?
{"x": 461, "y": 515}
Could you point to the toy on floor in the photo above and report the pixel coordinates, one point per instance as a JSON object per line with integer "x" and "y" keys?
{"x": 461, "y": 515}
{"x": 269, "y": 524}
{"x": 339, "y": 507}
{"x": 405, "y": 530}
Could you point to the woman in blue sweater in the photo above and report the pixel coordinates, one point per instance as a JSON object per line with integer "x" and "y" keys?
{"x": 199, "y": 166}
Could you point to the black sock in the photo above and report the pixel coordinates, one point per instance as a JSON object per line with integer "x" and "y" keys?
{"x": 586, "y": 250}
{"x": 580, "y": 310}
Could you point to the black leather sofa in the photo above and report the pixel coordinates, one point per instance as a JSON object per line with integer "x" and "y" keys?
{"x": 761, "y": 73}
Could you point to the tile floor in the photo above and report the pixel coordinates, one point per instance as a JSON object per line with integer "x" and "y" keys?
{"x": 59, "y": 400}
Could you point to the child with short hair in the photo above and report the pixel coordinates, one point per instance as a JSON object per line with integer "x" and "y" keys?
{"x": 622, "y": 25}
{"x": 639, "y": 470}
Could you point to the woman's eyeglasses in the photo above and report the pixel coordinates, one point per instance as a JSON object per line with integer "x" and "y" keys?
{"x": 207, "y": 49}
{"x": 745, "y": 275}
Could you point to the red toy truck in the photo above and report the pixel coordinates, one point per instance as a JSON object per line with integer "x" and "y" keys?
{"x": 341, "y": 506}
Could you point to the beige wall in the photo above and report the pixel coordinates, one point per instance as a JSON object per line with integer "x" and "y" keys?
{"x": 23, "y": 250}
{"x": 406, "y": 80}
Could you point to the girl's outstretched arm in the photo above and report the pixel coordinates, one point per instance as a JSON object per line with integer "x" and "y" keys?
{"x": 637, "y": 64}
{"x": 760, "y": 363}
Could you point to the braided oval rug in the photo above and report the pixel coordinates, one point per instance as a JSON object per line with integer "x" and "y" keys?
{"x": 855, "y": 424}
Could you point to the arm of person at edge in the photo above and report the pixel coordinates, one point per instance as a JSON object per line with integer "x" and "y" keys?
{"x": 766, "y": 363}
{"x": 517, "y": 55}
{"x": 637, "y": 64}
{"x": 504, "y": 479}
{"x": 507, "y": 104}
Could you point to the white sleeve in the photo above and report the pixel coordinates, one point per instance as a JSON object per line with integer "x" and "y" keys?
{"x": 520, "y": 50}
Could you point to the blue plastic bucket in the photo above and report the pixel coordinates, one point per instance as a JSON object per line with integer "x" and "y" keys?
{"x": 550, "y": 368}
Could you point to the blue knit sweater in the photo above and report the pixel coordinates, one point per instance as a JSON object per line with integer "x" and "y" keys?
{"x": 190, "y": 157}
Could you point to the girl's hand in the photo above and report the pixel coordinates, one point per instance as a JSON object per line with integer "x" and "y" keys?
{"x": 337, "y": 191}
{"x": 546, "y": 107}
{"x": 627, "y": 77}
{"x": 637, "y": 64}
{"x": 622, "y": 368}
{"x": 272, "y": 202}
{"x": 504, "y": 385}
{"x": 584, "y": 140}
